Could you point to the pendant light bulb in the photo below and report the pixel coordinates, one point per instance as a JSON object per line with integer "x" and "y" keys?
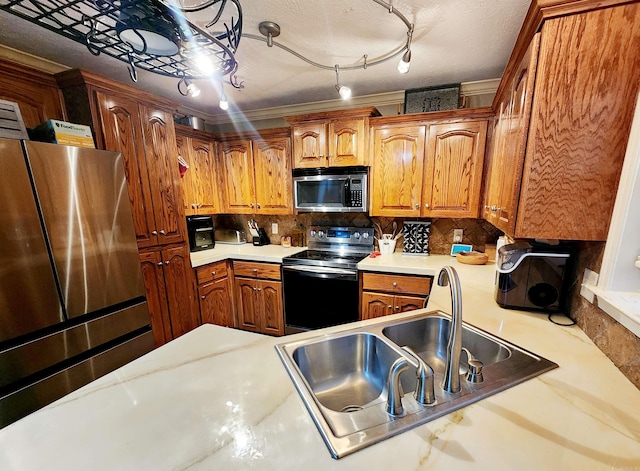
{"x": 405, "y": 62}
{"x": 193, "y": 90}
{"x": 224, "y": 103}
{"x": 203, "y": 63}
{"x": 344, "y": 91}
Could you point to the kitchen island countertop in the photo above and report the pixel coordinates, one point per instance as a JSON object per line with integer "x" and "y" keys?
{"x": 220, "y": 398}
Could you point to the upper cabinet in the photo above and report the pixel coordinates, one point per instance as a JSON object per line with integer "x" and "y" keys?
{"x": 199, "y": 187}
{"x": 564, "y": 124}
{"x": 334, "y": 139}
{"x": 430, "y": 169}
{"x": 256, "y": 172}
{"x": 140, "y": 126}
{"x": 35, "y": 92}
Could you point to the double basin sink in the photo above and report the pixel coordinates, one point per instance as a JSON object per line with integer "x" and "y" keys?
{"x": 343, "y": 377}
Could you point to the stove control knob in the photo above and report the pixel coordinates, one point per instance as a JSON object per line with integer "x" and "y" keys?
{"x": 320, "y": 234}
{"x": 356, "y": 235}
{"x": 365, "y": 235}
{"x": 312, "y": 233}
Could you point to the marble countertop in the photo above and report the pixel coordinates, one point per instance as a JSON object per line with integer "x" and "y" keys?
{"x": 219, "y": 398}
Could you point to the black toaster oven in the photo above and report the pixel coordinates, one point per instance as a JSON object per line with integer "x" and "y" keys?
{"x": 201, "y": 233}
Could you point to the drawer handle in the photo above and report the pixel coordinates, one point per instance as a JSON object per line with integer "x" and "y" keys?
{"x": 395, "y": 284}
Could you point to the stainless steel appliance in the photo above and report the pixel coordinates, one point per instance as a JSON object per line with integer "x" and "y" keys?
{"x": 321, "y": 284}
{"x": 531, "y": 276}
{"x": 231, "y": 236}
{"x": 339, "y": 190}
{"x": 201, "y": 233}
{"x": 72, "y": 300}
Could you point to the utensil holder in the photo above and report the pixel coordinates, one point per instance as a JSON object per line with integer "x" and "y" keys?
{"x": 387, "y": 246}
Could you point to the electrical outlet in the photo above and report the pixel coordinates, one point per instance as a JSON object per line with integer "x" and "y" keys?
{"x": 457, "y": 236}
{"x": 274, "y": 228}
{"x": 589, "y": 278}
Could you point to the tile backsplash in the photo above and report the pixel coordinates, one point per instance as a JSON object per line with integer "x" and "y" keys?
{"x": 477, "y": 232}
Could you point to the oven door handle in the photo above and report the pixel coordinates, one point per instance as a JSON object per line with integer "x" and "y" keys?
{"x": 323, "y": 272}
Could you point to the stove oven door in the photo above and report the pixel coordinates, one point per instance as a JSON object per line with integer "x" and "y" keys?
{"x": 316, "y": 297}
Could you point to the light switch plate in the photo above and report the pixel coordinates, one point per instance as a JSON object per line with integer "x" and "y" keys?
{"x": 590, "y": 278}
{"x": 274, "y": 228}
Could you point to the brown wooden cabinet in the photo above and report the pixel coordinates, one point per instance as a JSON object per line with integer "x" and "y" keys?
{"x": 199, "y": 188}
{"x": 383, "y": 294}
{"x": 335, "y": 139}
{"x": 256, "y": 173}
{"x": 258, "y": 291}
{"x": 588, "y": 67}
{"x": 35, "y": 92}
{"x": 428, "y": 169}
{"x": 215, "y": 293}
{"x": 170, "y": 292}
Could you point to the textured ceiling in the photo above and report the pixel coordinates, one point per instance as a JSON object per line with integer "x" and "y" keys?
{"x": 454, "y": 41}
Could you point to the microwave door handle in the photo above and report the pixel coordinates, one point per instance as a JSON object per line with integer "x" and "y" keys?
{"x": 346, "y": 202}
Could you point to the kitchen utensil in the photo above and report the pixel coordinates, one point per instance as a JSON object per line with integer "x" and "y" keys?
{"x": 253, "y": 228}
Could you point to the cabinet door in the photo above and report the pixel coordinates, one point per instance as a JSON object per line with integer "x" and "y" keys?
{"x": 396, "y": 173}
{"x": 247, "y": 306}
{"x": 205, "y": 192}
{"x": 310, "y": 145}
{"x": 187, "y": 182}
{"x": 37, "y": 102}
{"x": 376, "y": 305}
{"x": 180, "y": 287}
{"x": 272, "y": 163}
{"x": 164, "y": 176}
{"x": 272, "y": 314}
{"x": 587, "y": 77}
{"x": 122, "y": 131}
{"x": 153, "y": 277}
{"x": 455, "y": 160}
{"x": 513, "y": 128}
{"x": 407, "y": 303}
{"x": 237, "y": 161}
{"x": 215, "y": 303}
{"x": 347, "y": 143}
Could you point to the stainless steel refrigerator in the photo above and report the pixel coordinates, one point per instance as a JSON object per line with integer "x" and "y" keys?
{"x": 72, "y": 303}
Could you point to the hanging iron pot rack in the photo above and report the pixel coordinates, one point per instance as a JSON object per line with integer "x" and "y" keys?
{"x": 113, "y": 27}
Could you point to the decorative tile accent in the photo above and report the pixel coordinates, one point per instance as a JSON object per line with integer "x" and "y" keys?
{"x": 416, "y": 237}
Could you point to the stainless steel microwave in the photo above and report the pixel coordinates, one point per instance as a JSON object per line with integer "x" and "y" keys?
{"x": 340, "y": 190}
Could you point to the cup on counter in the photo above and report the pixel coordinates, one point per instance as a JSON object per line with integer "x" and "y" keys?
{"x": 285, "y": 241}
{"x": 387, "y": 245}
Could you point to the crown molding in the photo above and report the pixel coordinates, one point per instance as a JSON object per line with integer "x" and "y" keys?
{"x": 480, "y": 87}
{"x": 30, "y": 60}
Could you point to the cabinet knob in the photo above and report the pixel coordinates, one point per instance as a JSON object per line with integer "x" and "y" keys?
{"x": 154, "y": 232}
{"x": 395, "y": 284}
{"x": 213, "y": 273}
{"x": 159, "y": 264}
{"x": 202, "y": 297}
{"x": 193, "y": 205}
{"x": 426, "y": 205}
{"x": 166, "y": 262}
{"x": 321, "y": 156}
{"x": 251, "y": 205}
{"x": 417, "y": 205}
{"x": 259, "y": 289}
{"x": 389, "y": 307}
{"x": 397, "y": 308}
{"x": 258, "y": 205}
{"x": 255, "y": 270}
{"x": 162, "y": 232}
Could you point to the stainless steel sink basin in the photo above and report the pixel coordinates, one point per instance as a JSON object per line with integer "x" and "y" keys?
{"x": 429, "y": 337}
{"x": 342, "y": 377}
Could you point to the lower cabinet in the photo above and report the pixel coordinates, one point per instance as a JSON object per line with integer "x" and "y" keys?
{"x": 168, "y": 281}
{"x": 258, "y": 291}
{"x": 215, "y": 294}
{"x": 384, "y": 294}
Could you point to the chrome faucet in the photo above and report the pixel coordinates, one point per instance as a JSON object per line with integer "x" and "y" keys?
{"x": 424, "y": 393}
{"x": 451, "y": 382}
{"x": 394, "y": 397}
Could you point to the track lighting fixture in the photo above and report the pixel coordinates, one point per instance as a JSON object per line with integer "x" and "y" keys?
{"x": 405, "y": 62}
{"x": 223, "y": 103}
{"x": 343, "y": 90}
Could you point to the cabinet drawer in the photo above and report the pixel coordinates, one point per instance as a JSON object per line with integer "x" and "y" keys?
{"x": 396, "y": 283}
{"x": 269, "y": 271}
{"x": 211, "y": 272}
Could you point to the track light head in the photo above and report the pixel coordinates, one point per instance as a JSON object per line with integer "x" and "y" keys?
{"x": 405, "y": 62}
{"x": 344, "y": 91}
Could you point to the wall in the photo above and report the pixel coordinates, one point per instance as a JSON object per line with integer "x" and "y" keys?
{"x": 477, "y": 232}
{"x": 619, "y": 344}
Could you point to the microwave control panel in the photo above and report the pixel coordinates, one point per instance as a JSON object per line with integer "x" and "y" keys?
{"x": 355, "y": 188}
